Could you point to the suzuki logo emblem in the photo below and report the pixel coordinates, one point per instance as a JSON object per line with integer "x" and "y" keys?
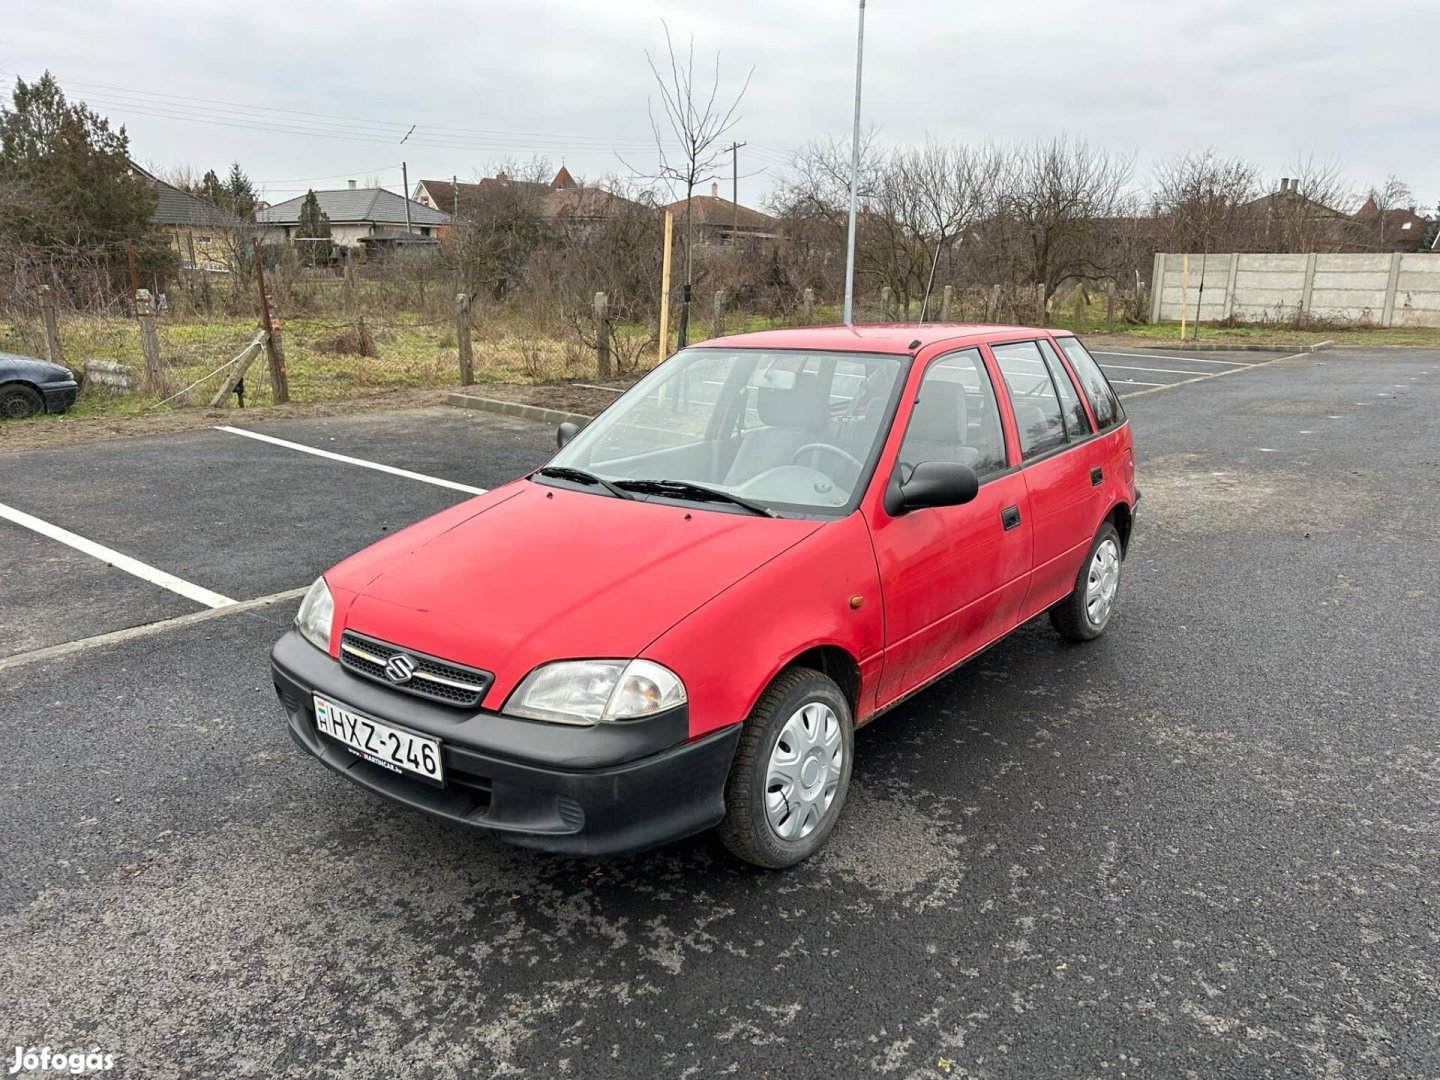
{"x": 399, "y": 668}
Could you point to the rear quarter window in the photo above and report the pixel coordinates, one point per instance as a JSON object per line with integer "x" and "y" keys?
{"x": 1103, "y": 401}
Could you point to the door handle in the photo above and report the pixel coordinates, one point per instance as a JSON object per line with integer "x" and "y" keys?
{"x": 1097, "y": 474}
{"x": 1010, "y": 517}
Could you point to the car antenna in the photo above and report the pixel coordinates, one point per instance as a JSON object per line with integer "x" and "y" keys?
{"x": 930, "y": 284}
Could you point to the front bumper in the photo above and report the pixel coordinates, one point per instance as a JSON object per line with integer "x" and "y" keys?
{"x": 59, "y": 396}
{"x": 604, "y": 790}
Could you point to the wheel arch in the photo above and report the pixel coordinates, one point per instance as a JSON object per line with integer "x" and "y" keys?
{"x": 1122, "y": 517}
{"x": 833, "y": 661}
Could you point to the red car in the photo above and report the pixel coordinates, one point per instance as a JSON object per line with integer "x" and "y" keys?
{"x": 679, "y": 622}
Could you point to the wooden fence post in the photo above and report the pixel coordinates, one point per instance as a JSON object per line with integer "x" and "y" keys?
{"x": 946, "y": 296}
{"x": 279, "y": 381}
{"x": 885, "y": 304}
{"x": 462, "y": 339}
{"x": 149, "y": 341}
{"x": 808, "y": 300}
{"x": 1040, "y": 303}
{"x": 53, "y": 351}
{"x": 1110, "y": 307}
{"x": 602, "y": 336}
{"x": 1077, "y": 319}
{"x": 992, "y": 310}
{"x": 717, "y": 328}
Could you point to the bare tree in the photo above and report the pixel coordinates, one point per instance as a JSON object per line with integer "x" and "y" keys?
{"x": 696, "y": 121}
{"x": 1202, "y": 202}
{"x": 1382, "y": 201}
{"x": 1065, "y": 201}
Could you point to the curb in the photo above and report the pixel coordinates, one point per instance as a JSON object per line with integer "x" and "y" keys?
{"x": 514, "y": 408}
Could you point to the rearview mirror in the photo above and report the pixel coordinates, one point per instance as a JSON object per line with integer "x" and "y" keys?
{"x": 932, "y": 483}
{"x": 565, "y": 432}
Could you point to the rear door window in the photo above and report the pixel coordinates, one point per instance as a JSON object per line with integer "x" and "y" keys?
{"x": 1108, "y": 411}
{"x": 1077, "y": 420}
{"x": 1032, "y": 396}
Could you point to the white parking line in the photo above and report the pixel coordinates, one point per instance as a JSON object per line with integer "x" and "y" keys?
{"x": 1137, "y": 382}
{"x": 1182, "y": 359}
{"x": 1159, "y": 370}
{"x": 50, "y": 652}
{"x": 377, "y": 466}
{"x": 144, "y": 571}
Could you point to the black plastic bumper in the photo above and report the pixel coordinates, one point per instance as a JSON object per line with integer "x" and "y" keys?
{"x": 585, "y": 791}
{"x": 59, "y": 396}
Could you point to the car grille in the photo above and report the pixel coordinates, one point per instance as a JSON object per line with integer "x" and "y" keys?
{"x": 435, "y": 679}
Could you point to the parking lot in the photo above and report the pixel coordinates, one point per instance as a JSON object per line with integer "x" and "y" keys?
{"x": 1205, "y": 845}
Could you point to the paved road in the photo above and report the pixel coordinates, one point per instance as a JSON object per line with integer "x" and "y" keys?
{"x": 1205, "y": 845}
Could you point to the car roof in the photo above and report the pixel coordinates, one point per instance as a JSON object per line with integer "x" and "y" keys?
{"x": 898, "y": 338}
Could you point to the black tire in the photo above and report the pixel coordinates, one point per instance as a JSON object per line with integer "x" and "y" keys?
{"x": 746, "y": 830}
{"x": 18, "y": 401}
{"x": 1070, "y": 616}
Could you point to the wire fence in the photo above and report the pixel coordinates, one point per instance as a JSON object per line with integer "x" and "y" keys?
{"x": 342, "y": 335}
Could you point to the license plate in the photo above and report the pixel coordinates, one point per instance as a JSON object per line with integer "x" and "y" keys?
{"x": 380, "y": 743}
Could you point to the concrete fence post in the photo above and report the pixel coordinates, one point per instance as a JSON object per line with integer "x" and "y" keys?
{"x": 1110, "y": 307}
{"x": 462, "y": 339}
{"x": 992, "y": 309}
{"x": 808, "y": 306}
{"x": 53, "y": 352}
{"x": 885, "y": 304}
{"x": 946, "y": 296}
{"x": 1040, "y": 312}
{"x": 1077, "y": 319}
{"x": 1308, "y": 289}
{"x": 602, "y": 336}
{"x": 1391, "y": 287}
{"x": 1229, "y": 310}
{"x": 717, "y": 326}
{"x": 149, "y": 340}
{"x": 1157, "y": 286}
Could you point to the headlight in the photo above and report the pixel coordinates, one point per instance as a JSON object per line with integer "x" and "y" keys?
{"x": 595, "y": 691}
{"x": 317, "y": 612}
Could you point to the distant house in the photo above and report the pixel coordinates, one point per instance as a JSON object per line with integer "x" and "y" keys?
{"x": 1289, "y": 220}
{"x": 1397, "y": 229}
{"x": 718, "y": 220}
{"x": 562, "y": 197}
{"x": 359, "y": 217}
{"x": 201, "y": 233}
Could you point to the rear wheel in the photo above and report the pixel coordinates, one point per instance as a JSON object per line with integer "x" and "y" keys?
{"x": 1084, "y": 614}
{"x": 791, "y": 771}
{"x": 18, "y": 401}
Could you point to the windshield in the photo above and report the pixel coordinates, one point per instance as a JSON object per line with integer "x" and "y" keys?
{"x": 789, "y": 430}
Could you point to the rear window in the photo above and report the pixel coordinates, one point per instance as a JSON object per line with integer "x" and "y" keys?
{"x": 1103, "y": 401}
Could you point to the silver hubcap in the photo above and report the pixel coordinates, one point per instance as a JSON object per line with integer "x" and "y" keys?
{"x": 804, "y": 771}
{"x": 1102, "y": 583}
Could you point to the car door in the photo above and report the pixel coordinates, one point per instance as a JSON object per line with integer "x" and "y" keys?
{"x": 1054, "y": 430}
{"x": 952, "y": 577}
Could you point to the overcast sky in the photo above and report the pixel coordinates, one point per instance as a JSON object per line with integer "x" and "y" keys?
{"x": 1269, "y": 80}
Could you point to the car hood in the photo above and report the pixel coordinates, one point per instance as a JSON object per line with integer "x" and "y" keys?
{"x": 531, "y": 573}
{"x": 13, "y": 365}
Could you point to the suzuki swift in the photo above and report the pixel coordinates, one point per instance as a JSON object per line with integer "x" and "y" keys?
{"x": 678, "y": 623}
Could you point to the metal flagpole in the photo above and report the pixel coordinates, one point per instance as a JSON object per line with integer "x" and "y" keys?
{"x": 854, "y": 177}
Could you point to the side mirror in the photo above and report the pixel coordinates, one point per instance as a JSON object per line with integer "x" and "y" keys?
{"x": 932, "y": 483}
{"x": 565, "y": 432}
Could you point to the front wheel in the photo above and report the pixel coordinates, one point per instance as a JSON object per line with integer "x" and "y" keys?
{"x": 1084, "y": 614}
{"x": 18, "y": 401}
{"x": 791, "y": 771}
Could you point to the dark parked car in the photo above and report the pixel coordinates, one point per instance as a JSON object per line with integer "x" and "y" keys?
{"x": 29, "y": 386}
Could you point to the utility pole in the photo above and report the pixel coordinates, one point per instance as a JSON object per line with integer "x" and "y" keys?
{"x": 854, "y": 177}
{"x": 735, "y": 186}
{"x": 405, "y": 179}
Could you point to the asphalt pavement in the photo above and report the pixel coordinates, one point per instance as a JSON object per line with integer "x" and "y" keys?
{"x": 1206, "y": 845}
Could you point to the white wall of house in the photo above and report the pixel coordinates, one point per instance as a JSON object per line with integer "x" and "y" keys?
{"x": 343, "y": 234}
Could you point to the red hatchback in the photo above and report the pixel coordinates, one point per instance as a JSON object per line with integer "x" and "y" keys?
{"x": 679, "y": 621}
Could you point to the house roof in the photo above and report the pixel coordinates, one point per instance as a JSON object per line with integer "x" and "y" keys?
{"x": 176, "y": 207}
{"x": 719, "y": 213}
{"x": 561, "y": 196}
{"x": 346, "y": 205}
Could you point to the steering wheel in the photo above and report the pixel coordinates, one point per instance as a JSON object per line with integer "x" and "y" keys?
{"x": 845, "y": 455}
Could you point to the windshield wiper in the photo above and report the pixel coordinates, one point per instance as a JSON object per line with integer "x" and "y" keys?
{"x": 580, "y": 476}
{"x": 684, "y": 489}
